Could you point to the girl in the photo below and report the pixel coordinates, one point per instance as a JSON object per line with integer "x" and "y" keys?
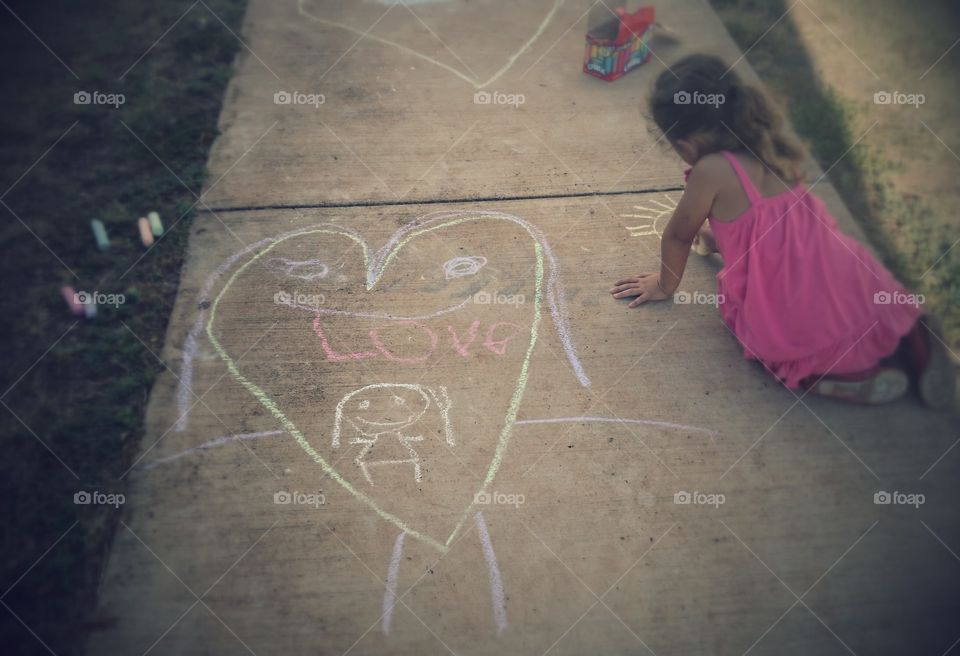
{"x": 810, "y": 303}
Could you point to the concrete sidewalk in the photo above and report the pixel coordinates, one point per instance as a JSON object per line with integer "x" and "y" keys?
{"x": 399, "y": 419}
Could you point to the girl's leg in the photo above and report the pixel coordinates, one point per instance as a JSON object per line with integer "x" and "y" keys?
{"x": 705, "y": 243}
{"x": 929, "y": 362}
{"x": 873, "y": 387}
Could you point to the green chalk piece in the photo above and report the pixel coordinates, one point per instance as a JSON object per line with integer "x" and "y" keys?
{"x": 100, "y": 234}
{"x": 156, "y": 227}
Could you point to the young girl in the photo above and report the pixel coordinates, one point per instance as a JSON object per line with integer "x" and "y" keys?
{"x": 810, "y": 303}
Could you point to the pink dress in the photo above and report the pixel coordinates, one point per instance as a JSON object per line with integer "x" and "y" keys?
{"x": 802, "y": 297}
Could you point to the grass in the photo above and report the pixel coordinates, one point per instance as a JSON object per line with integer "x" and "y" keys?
{"x": 74, "y": 391}
{"x": 910, "y": 233}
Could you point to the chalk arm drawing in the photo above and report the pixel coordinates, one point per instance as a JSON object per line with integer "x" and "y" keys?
{"x": 476, "y": 84}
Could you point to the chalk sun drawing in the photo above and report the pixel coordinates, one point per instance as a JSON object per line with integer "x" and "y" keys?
{"x": 384, "y": 415}
{"x": 475, "y": 83}
{"x": 653, "y": 211}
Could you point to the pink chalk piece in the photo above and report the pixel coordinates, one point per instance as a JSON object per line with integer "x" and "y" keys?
{"x": 499, "y": 346}
{"x": 389, "y": 355}
{"x": 70, "y": 296}
{"x": 462, "y": 349}
{"x": 333, "y": 355}
{"x": 146, "y": 234}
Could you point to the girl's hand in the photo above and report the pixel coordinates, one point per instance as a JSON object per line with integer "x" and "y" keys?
{"x": 646, "y": 287}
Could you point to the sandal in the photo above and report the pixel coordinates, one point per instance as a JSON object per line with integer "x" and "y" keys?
{"x": 880, "y": 385}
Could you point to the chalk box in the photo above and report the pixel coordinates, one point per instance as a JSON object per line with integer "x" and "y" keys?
{"x": 619, "y": 46}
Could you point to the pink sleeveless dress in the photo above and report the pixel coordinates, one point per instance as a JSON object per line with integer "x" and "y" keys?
{"x": 801, "y": 296}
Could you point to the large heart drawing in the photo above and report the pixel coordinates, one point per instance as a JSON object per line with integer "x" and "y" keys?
{"x": 351, "y": 349}
{"x": 305, "y": 11}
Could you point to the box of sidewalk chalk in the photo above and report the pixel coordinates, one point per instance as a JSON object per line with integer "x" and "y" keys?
{"x": 619, "y": 45}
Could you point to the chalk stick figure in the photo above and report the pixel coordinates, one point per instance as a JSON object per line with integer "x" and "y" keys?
{"x": 386, "y": 417}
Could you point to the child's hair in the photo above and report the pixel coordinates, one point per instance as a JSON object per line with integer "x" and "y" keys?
{"x": 701, "y": 95}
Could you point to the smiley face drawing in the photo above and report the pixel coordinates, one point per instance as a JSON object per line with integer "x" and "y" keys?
{"x": 384, "y": 420}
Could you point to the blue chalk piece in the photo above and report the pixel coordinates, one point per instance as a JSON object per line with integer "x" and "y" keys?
{"x": 100, "y": 234}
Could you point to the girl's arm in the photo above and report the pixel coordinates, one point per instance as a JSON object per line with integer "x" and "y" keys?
{"x": 687, "y": 219}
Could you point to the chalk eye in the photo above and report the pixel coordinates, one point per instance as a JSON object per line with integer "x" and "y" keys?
{"x": 302, "y": 269}
{"x": 364, "y": 404}
{"x": 398, "y": 401}
{"x": 459, "y": 267}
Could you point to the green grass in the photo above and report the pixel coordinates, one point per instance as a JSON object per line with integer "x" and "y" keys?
{"x": 903, "y": 228}
{"x": 83, "y": 402}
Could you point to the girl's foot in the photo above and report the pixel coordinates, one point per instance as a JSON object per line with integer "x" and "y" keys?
{"x": 705, "y": 243}
{"x": 930, "y": 364}
{"x": 879, "y": 385}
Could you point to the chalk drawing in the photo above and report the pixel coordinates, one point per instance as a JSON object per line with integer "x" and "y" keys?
{"x": 458, "y": 267}
{"x": 389, "y": 355}
{"x": 463, "y": 349}
{"x": 410, "y": 2}
{"x": 495, "y": 346}
{"x": 554, "y": 294}
{"x": 376, "y": 265}
{"x": 475, "y": 83}
{"x": 390, "y": 596}
{"x": 303, "y": 269}
{"x": 496, "y": 584}
{"x": 519, "y": 422}
{"x": 653, "y": 211}
{"x": 384, "y": 413}
{"x": 499, "y": 346}
{"x": 210, "y": 444}
{"x": 617, "y": 420}
{"x": 185, "y": 380}
{"x": 554, "y": 290}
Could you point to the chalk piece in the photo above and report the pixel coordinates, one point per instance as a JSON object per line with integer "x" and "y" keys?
{"x": 146, "y": 236}
{"x": 90, "y": 309}
{"x": 70, "y": 296}
{"x": 155, "y": 225}
{"x": 100, "y": 234}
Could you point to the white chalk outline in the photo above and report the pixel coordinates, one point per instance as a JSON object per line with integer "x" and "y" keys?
{"x": 496, "y": 582}
{"x": 390, "y": 595}
{"x": 460, "y": 267}
{"x": 476, "y": 84}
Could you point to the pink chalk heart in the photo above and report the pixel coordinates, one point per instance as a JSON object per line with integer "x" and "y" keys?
{"x": 398, "y": 372}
